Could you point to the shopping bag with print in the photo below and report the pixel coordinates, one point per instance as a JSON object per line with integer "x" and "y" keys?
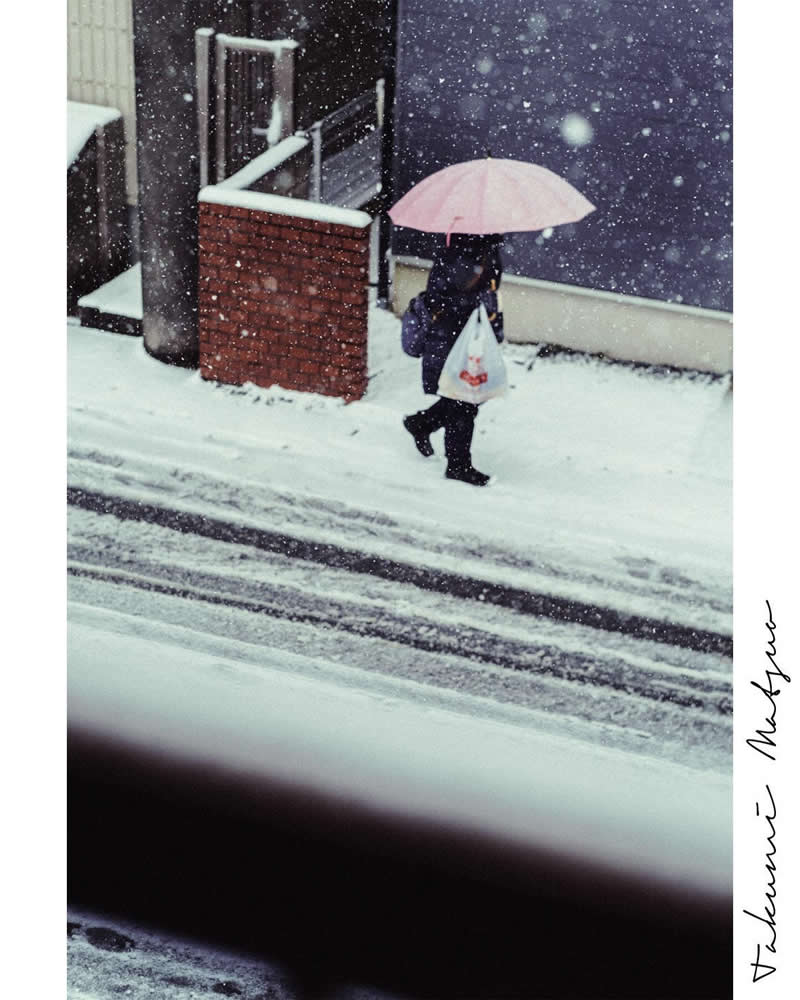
{"x": 474, "y": 370}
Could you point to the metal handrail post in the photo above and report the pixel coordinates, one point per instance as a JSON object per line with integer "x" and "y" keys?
{"x": 283, "y": 81}
{"x": 316, "y": 163}
{"x": 384, "y": 293}
{"x": 202, "y": 49}
{"x": 221, "y": 117}
{"x": 103, "y": 229}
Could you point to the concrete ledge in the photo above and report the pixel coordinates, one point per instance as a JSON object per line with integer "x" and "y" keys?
{"x": 621, "y": 327}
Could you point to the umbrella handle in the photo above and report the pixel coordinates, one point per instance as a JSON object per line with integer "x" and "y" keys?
{"x": 450, "y": 229}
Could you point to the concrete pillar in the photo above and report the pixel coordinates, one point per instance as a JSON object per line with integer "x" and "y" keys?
{"x": 167, "y": 159}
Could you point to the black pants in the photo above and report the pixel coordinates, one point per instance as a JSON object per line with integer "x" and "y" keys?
{"x": 458, "y": 420}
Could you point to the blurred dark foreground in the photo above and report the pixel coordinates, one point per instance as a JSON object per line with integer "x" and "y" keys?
{"x": 339, "y": 895}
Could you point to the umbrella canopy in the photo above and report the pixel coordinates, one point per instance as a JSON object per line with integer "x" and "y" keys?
{"x": 490, "y": 196}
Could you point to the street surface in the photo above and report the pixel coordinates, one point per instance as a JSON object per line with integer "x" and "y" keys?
{"x": 268, "y": 585}
{"x": 477, "y": 657}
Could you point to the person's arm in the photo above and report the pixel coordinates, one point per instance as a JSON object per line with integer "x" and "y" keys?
{"x": 491, "y": 299}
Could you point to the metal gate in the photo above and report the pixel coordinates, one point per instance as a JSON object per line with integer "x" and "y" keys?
{"x": 245, "y": 89}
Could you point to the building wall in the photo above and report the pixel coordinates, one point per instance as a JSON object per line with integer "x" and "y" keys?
{"x": 282, "y": 298}
{"x": 100, "y": 66}
{"x": 630, "y": 100}
{"x": 620, "y": 327}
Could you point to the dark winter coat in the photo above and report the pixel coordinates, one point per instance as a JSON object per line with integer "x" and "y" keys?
{"x": 463, "y": 275}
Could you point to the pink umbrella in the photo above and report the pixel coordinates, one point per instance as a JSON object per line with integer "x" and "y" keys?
{"x": 490, "y": 196}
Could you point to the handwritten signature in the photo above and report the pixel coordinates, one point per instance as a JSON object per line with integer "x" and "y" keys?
{"x": 764, "y": 737}
{"x": 763, "y": 742}
{"x": 760, "y": 969}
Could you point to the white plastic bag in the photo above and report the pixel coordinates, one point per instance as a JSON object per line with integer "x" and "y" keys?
{"x": 474, "y": 370}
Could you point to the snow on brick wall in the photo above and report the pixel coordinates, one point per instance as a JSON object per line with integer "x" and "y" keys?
{"x": 282, "y": 300}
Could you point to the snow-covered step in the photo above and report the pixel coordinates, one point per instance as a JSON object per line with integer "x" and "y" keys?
{"x": 115, "y": 306}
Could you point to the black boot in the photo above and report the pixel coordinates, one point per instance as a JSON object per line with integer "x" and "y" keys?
{"x": 467, "y": 474}
{"x": 421, "y": 437}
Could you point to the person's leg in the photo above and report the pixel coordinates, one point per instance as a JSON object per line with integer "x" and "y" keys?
{"x": 458, "y": 432}
{"x": 422, "y": 424}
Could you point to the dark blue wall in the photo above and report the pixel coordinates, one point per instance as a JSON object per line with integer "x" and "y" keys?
{"x": 653, "y": 80}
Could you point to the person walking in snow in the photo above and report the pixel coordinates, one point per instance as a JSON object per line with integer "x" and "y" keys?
{"x": 465, "y": 273}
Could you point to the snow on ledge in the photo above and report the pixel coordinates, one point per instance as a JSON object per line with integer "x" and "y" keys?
{"x": 122, "y": 296}
{"x": 82, "y": 120}
{"x": 275, "y": 45}
{"x": 278, "y": 205}
{"x": 265, "y": 163}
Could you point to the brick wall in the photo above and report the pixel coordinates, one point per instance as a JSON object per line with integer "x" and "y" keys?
{"x": 282, "y": 298}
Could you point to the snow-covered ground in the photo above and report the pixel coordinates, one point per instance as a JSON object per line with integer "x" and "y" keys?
{"x": 614, "y": 810}
{"x": 109, "y": 957}
{"x": 614, "y": 490}
{"x": 614, "y": 485}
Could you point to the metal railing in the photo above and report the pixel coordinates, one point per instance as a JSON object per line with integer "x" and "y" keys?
{"x": 245, "y": 107}
{"x": 346, "y": 151}
{"x": 245, "y": 89}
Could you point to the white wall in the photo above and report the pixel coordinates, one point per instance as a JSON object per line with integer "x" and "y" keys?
{"x": 620, "y": 326}
{"x": 100, "y": 65}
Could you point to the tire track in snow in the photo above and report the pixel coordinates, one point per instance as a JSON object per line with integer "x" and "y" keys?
{"x": 480, "y": 645}
{"x": 636, "y": 585}
{"x": 425, "y": 578}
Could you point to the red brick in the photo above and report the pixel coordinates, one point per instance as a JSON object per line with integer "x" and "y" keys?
{"x": 269, "y": 229}
{"x": 215, "y": 260}
{"x": 249, "y": 358}
{"x": 223, "y": 325}
{"x": 332, "y": 241}
{"x": 350, "y": 352}
{"x": 356, "y": 336}
{"x": 230, "y": 274}
{"x": 214, "y": 228}
{"x": 296, "y": 222}
{"x": 345, "y": 257}
{"x": 298, "y": 249}
{"x": 205, "y": 247}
